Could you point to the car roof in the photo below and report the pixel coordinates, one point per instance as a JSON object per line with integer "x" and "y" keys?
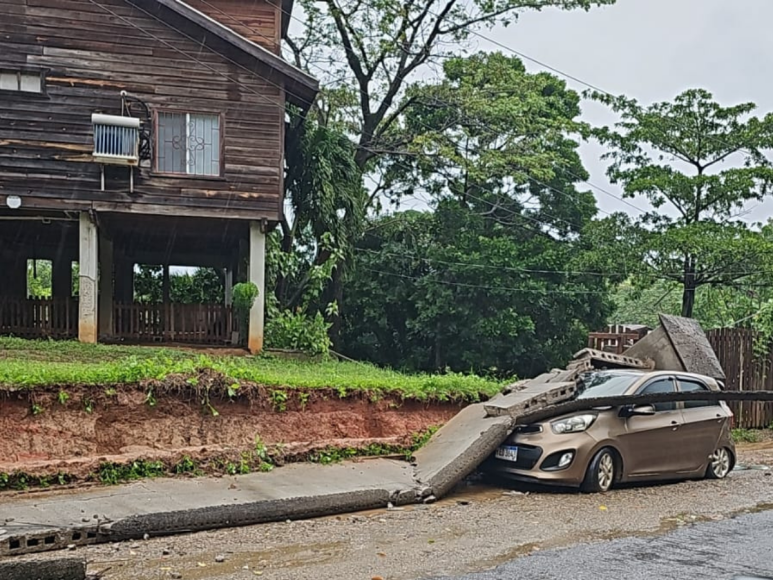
{"x": 654, "y": 374}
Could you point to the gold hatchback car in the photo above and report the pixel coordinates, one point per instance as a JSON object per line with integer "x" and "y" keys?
{"x": 594, "y": 450}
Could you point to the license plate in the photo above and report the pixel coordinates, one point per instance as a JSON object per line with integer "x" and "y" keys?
{"x": 507, "y": 453}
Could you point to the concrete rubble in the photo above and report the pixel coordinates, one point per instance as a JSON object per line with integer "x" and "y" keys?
{"x": 59, "y": 569}
{"x": 161, "y": 507}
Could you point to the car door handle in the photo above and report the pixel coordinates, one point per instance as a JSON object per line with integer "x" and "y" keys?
{"x": 675, "y": 425}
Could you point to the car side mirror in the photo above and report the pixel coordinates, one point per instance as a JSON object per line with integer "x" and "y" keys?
{"x": 637, "y": 411}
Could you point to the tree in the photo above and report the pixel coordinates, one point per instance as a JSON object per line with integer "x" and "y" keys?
{"x": 39, "y": 274}
{"x": 455, "y": 289}
{"x": 671, "y": 154}
{"x": 492, "y": 136}
{"x": 489, "y": 280}
{"x": 375, "y": 47}
{"x": 715, "y": 307}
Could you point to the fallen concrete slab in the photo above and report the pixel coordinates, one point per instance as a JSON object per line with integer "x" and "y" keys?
{"x": 457, "y": 449}
{"x": 59, "y": 569}
{"x": 160, "y": 507}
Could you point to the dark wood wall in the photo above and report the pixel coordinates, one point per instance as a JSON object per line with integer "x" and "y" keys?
{"x": 259, "y": 21}
{"x": 96, "y": 49}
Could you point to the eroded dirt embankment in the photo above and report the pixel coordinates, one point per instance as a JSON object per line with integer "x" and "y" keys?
{"x": 76, "y": 428}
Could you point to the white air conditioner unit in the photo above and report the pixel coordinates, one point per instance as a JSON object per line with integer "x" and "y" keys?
{"x": 116, "y": 142}
{"x": 116, "y": 139}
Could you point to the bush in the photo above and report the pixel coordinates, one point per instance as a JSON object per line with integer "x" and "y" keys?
{"x": 298, "y": 331}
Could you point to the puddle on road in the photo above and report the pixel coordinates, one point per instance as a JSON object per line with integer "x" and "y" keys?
{"x": 740, "y": 467}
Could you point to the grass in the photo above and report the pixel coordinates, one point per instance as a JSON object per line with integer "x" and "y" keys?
{"x": 746, "y": 436}
{"x": 30, "y": 364}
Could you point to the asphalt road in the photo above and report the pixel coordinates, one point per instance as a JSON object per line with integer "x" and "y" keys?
{"x": 725, "y": 550}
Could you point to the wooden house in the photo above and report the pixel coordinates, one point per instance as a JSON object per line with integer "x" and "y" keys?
{"x": 139, "y": 132}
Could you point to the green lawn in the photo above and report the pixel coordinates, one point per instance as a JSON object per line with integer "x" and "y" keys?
{"x": 30, "y": 364}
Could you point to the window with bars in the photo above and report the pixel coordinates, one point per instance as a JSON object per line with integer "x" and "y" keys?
{"x": 188, "y": 144}
{"x": 22, "y": 81}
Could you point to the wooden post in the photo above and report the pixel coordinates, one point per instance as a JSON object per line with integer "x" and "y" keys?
{"x": 257, "y": 275}
{"x": 16, "y": 277}
{"x": 61, "y": 277}
{"x": 166, "y": 285}
{"x": 88, "y": 261}
{"x": 228, "y": 286}
{"x": 105, "y": 287}
{"x": 124, "y": 278}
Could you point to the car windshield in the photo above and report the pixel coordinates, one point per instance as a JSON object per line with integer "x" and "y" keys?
{"x": 606, "y": 384}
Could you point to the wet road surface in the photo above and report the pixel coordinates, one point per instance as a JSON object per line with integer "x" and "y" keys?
{"x": 479, "y": 528}
{"x": 739, "y": 547}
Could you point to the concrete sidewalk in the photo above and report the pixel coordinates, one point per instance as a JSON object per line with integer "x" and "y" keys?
{"x": 54, "y": 520}
{"x": 50, "y": 521}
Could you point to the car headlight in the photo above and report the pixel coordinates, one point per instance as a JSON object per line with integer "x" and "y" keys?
{"x": 575, "y": 424}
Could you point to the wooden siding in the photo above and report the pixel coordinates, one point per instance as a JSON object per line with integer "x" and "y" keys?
{"x": 257, "y": 20}
{"x": 95, "y": 50}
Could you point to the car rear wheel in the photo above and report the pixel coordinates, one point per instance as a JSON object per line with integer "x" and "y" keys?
{"x": 602, "y": 472}
{"x": 720, "y": 464}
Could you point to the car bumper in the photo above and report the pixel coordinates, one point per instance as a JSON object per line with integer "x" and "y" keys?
{"x": 537, "y": 453}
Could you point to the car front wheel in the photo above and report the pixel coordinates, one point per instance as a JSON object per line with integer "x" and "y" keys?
{"x": 602, "y": 472}
{"x": 720, "y": 464}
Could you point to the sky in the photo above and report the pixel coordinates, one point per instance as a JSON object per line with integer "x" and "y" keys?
{"x": 652, "y": 50}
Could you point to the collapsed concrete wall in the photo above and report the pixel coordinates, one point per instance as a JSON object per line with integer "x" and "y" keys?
{"x": 466, "y": 441}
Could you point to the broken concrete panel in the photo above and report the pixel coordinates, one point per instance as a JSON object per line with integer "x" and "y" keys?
{"x": 679, "y": 344}
{"x": 244, "y": 514}
{"x": 170, "y": 506}
{"x": 692, "y": 346}
{"x": 459, "y": 447}
{"x": 590, "y": 358}
{"x": 59, "y": 569}
{"x": 534, "y": 397}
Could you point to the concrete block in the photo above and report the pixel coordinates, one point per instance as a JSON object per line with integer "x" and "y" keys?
{"x": 589, "y": 358}
{"x": 534, "y": 397}
{"x": 59, "y": 569}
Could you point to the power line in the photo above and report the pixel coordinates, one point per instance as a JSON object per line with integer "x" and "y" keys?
{"x": 569, "y": 172}
{"x": 493, "y": 288}
{"x": 530, "y": 270}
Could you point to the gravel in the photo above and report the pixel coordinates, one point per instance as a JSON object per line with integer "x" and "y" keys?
{"x": 475, "y": 529}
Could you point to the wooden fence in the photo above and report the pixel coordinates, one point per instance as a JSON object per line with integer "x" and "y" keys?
{"x": 39, "y": 317}
{"x": 182, "y": 323}
{"x": 745, "y": 372}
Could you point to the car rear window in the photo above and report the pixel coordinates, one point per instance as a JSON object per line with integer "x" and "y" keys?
{"x": 606, "y": 384}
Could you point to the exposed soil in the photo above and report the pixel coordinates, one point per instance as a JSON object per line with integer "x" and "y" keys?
{"x": 123, "y": 424}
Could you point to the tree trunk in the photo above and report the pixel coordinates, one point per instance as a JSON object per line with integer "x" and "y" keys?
{"x": 337, "y": 287}
{"x": 688, "y": 295}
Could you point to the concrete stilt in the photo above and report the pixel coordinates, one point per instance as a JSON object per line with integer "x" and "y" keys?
{"x": 105, "y": 287}
{"x": 257, "y": 275}
{"x": 88, "y": 261}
